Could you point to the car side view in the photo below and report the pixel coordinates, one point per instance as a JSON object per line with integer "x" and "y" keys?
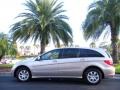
{"x": 92, "y": 65}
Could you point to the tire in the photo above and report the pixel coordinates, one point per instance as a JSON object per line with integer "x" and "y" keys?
{"x": 23, "y": 74}
{"x": 92, "y": 76}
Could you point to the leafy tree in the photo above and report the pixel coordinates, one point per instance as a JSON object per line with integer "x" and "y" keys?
{"x": 43, "y": 21}
{"x": 6, "y": 46}
{"x": 104, "y": 13}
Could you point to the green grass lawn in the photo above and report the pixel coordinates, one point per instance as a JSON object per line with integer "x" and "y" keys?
{"x": 117, "y": 68}
{"x": 6, "y": 65}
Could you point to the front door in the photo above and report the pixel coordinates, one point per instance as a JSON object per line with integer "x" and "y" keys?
{"x": 46, "y": 64}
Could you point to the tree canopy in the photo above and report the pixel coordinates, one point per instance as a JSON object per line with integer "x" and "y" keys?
{"x": 43, "y": 21}
{"x": 104, "y": 13}
{"x": 6, "y": 46}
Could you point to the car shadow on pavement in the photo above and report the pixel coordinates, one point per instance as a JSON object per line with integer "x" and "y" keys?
{"x": 58, "y": 80}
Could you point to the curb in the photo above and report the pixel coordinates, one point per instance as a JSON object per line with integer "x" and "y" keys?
{"x": 117, "y": 76}
{"x": 5, "y": 74}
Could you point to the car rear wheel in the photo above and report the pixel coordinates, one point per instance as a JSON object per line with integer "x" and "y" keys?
{"x": 92, "y": 76}
{"x": 23, "y": 74}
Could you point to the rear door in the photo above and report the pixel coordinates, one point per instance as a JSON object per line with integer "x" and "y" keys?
{"x": 69, "y": 63}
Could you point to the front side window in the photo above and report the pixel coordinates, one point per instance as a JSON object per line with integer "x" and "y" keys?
{"x": 70, "y": 53}
{"x": 54, "y": 54}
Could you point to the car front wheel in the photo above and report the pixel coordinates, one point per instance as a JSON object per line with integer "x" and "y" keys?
{"x": 23, "y": 74}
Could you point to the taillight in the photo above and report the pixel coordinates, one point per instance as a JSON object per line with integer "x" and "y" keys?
{"x": 109, "y": 62}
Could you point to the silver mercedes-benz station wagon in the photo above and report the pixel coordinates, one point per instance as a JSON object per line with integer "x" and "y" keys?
{"x": 92, "y": 65}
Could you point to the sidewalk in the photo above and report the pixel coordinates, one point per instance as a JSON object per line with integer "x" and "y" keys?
{"x": 5, "y": 69}
{"x": 117, "y": 76}
{"x": 5, "y": 72}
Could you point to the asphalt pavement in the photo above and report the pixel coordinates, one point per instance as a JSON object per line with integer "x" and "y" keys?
{"x": 9, "y": 83}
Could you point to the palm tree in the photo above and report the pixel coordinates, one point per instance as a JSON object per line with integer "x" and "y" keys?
{"x": 27, "y": 50}
{"x": 44, "y": 21}
{"x": 6, "y": 46}
{"x": 102, "y": 14}
{"x": 37, "y": 48}
{"x": 92, "y": 45}
{"x": 119, "y": 49}
{"x": 106, "y": 46}
{"x": 22, "y": 47}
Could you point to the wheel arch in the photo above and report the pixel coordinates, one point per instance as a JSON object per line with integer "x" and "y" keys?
{"x": 94, "y": 67}
{"x": 21, "y": 66}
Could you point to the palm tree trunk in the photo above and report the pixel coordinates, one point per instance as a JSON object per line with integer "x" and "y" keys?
{"x": 42, "y": 48}
{"x": 1, "y": 56}
{"x": 114, "y": 39}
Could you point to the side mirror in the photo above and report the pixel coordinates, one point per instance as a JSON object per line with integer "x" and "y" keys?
{"x": 38, "y": 59}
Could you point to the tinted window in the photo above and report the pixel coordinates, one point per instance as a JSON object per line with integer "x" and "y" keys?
{"x": 108, "y": 54}
{"x": 51, "y": 55}
{"x": 89, "y": 53}
{"x": 70, "y": 53}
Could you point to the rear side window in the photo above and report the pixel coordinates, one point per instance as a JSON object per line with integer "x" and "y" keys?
{"x": 108, "y": 54}
{"x": 89, "y": 53}
{"x": 70, "y": 53}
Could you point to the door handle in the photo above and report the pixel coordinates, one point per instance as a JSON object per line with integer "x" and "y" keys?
{"x": 55, "y": 61}
{"x": 82, "y": 59}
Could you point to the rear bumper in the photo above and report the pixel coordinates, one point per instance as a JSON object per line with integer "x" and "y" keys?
{"x": 109, "y": 72}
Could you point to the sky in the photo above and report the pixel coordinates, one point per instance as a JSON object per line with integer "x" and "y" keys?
{"x": 76, "y": 11}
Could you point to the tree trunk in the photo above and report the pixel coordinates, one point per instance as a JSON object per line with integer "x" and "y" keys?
{"x": 114, "y": 41}
{"x": 1, "y": 56}
{"x": 42, "y": 48}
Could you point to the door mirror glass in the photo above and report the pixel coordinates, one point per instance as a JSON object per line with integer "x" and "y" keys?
{"x": 38, "y": 58}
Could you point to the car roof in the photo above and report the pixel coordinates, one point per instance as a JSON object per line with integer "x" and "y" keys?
{"x": 82, "y": 48}
{"x": 100, "y": 50}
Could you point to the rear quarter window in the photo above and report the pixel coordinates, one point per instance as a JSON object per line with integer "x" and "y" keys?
{"x": 108, "y": 54}
{"x": 89, "y": 53}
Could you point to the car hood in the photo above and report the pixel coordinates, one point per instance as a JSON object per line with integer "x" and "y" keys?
{"x": 25, "y": 61}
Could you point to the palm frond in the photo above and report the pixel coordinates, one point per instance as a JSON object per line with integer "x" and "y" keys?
{"x": 43, "y": 22}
